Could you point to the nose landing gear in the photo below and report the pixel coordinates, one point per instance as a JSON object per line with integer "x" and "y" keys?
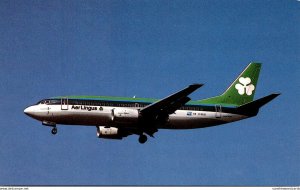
{"x": 51, "y": 124}
{"x": 142, "y": 139}
{"x": 54, "y": 130}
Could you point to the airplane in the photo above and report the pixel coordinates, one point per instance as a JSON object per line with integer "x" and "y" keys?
{"x": 119, "y": 117}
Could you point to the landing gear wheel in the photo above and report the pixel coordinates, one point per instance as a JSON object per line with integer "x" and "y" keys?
{"x": 142, "y": 139}
{"x": 54, "y": 131}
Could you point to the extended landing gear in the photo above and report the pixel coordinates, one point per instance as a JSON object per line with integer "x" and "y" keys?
{"x": 142, "y": 139}
{"x": 54, "y": 131}
{"x": 51, "y": 124}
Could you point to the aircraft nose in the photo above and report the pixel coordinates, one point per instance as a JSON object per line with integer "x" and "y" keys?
{"x": 29, "y": 111}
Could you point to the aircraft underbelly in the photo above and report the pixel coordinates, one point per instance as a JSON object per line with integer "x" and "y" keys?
{"x": 188, "y": 123}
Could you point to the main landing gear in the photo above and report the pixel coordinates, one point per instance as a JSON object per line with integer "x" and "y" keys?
{"x": 54, "y": 131}
{"x": 142, "y": 139}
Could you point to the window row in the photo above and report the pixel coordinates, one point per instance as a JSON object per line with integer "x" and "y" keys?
{"x": 116, "y": 104}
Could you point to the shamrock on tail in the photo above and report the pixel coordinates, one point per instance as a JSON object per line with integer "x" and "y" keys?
{"x": 244, "y": 87}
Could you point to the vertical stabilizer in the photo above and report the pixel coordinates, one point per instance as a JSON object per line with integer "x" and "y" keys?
{"x": 242, "y": 90}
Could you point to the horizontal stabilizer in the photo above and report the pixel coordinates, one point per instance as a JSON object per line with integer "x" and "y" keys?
{"x": 253, "y": 107}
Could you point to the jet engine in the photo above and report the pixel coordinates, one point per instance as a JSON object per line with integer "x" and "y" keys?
{"x": 109, "y": 133}
{"x": 124, "y": 116}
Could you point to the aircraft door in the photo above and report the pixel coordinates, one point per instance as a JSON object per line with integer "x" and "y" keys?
{"x": 218, "y": 111}
{"x": 64, "y": 103}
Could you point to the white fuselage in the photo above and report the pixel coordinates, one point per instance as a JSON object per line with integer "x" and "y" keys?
{"x": 89, "y": 115}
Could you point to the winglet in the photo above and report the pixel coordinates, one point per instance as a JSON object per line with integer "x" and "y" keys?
{"x": 195, "y": 86}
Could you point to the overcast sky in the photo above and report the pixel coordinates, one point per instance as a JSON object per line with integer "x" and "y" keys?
{"x": 148, "y": 49}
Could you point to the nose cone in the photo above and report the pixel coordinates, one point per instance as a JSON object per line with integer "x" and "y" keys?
{"x": 29, "y": 111}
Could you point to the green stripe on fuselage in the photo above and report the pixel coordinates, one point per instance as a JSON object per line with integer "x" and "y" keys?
{"x": 110, "y": 98}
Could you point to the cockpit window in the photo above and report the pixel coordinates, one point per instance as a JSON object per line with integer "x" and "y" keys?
{"x": 55, "y": 101}
{"x": 47, "y": 101}
{"x": 41, "y": 102}
{"x": 44, "y": 102}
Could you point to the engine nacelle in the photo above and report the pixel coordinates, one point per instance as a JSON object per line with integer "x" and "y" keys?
{"x": 124, "y": 115}
{"x": 108, "y": 133}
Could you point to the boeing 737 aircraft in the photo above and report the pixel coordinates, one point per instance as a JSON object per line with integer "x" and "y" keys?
{"x": 118, "y": 117}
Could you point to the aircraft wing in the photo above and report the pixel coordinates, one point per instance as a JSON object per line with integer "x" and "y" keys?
{"x": 169, "y": 104}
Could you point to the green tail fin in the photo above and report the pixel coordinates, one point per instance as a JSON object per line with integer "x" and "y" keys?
{"x": 241, "y": 91}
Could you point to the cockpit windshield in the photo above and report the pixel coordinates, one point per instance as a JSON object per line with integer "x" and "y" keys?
{"x": 41, "y": 102}
{"x": 47, "y": 101}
